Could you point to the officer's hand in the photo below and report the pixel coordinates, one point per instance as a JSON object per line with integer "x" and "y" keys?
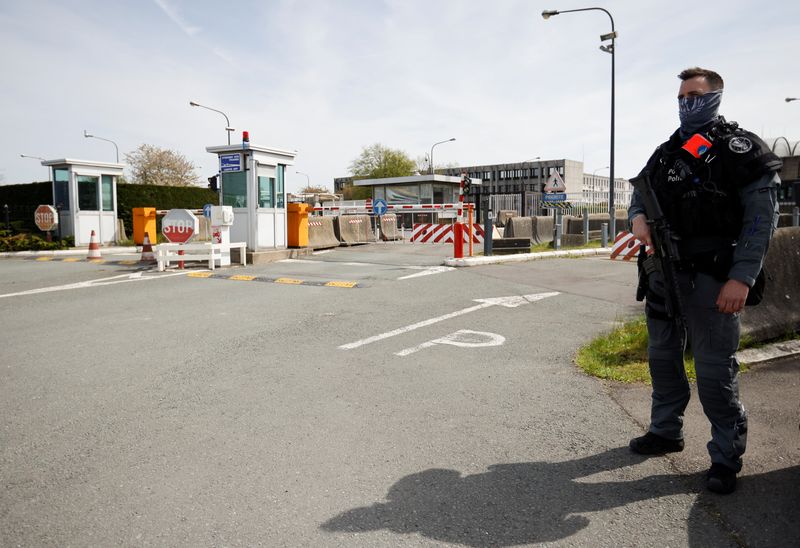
{"x": 732, "y": 296}
{"x": 641, "y": 231}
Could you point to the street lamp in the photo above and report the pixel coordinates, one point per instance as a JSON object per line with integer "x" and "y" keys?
{"x": 790, "y": 99}
{"x": 88, "y": 135}
{"x": 439, "y": 143}
{"x": 308, "y": 180}
{"x": 599, "y": 169}
{"x": 608, "y": 49}
{"x": 228, "y": 127}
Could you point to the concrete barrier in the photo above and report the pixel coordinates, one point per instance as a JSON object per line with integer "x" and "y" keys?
{"x": 543, "y": 229}
{"x": 354, "y": 229}
{"x": 389, "y": 230}
{"x": 321, "y": 233}
{"x": 504, "y": 215}
{"x": 779, "y": 312}
{"x": 519, "y": 227}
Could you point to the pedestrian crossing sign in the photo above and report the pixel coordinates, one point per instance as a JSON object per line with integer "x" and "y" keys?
{"x": 555, "y": 183}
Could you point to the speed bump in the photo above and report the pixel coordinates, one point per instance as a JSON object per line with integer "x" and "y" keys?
{"x": 341, "y": 284}
{"x": 290, "y": 281}
{"x": 282, "y": 280}
{"x": 242, "y": 278}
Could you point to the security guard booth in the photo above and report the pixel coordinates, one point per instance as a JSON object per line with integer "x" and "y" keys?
{"x": 85, "y": 193}
{"x": 252, "y": 182}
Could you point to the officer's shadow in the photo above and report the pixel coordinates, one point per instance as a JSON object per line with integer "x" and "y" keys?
{"x": 510, "y": 504}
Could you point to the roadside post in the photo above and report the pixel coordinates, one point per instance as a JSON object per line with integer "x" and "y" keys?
{"x": 379, "y": 208}
{"x": 604, "y": 235}
{"x": 7, "y": 217}
{"x": 488, "y": 231}
{"x": 585, "y": 226}
{"x": 555, "y": 197}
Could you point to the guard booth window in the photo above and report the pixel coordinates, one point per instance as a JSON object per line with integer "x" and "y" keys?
{"x": 266, "y": 192}
{"x": 234, "y": 189}
{"x": 108, "y": 192}
{"x": 87, "y": 193}
{"x": 279, "y": 190}
{"x": 61, "y": 188}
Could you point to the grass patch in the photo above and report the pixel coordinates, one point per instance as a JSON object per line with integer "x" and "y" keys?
{"x": 622, "y": 355}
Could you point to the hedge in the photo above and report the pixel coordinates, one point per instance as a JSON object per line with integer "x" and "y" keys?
{"x": 22, "y": 200}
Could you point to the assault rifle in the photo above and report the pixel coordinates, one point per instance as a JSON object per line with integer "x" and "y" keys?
{"x": 665, "y": 257}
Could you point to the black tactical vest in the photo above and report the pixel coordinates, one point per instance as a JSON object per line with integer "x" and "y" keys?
{"x": 700, "y": 195}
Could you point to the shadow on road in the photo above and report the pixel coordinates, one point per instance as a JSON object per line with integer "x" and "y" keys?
{"x": 523, "y": 503}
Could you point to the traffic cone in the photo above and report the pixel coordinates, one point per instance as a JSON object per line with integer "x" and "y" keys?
{"x": 94, "y": 247}
{"x": 147, "y": 250}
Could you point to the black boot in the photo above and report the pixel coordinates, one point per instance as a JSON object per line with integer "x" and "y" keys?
{"x": 653, "y": 444}
{"x": 721, "y": 479}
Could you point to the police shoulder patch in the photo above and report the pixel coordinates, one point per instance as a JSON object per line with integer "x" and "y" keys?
{"x": 740, "y": 145}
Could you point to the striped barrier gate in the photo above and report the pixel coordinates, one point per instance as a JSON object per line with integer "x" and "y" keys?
{"x": 442, "y": 234}
{"x": 625, "y": 247}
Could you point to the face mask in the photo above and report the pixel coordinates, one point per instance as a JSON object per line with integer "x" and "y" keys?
{"x": 697, "y": 111}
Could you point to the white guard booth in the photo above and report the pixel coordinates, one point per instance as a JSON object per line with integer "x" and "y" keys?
{"x": 253, "y": 183}
{"x": 85, "y": 193}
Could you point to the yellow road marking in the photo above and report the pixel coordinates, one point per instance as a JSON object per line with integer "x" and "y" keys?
{"x": 129, "y": 262}
{"x": 98, "y": 261}
{"x": 242, "y": 278}
{"x": 71, "y": 260}
{"x": 291, "y": 281}
{"x": 341, "y": 284}
{"x": 44, "y": 258}
{"x": 199, "y": 274}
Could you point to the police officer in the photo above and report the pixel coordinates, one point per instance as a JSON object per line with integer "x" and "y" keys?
{"x": 717, "y": 185}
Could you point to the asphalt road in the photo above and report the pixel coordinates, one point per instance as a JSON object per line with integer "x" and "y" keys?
{"x": 421, "y": 407}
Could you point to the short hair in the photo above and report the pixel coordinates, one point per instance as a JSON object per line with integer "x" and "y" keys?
{"x": 714, "y": 80}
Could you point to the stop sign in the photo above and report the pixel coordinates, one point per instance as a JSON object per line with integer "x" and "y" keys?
{"x": 46, "y": 217}
{"x": 179, "y": 226}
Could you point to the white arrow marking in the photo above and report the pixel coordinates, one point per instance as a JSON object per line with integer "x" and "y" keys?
{"x": 428, "y": 271}
{"x": 463, "y": 338}
{"x": 135, "y": 277}
{"x": 509, "y": 302}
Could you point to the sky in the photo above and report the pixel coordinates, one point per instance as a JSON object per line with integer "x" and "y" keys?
{"x": 327, "y": 78}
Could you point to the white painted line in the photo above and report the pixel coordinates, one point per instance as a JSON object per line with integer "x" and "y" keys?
{"x": 428, "y": 271}
{"x": 123, "y": 278}
{"x": 463, "y": 338}
{"x": 508, "y": 302}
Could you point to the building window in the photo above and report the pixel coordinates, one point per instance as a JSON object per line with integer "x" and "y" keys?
{"x": 87, "y": 193}
{"x": 108, "y": 192}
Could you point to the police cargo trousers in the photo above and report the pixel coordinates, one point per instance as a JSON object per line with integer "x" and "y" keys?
{"x": 714, "y": 339}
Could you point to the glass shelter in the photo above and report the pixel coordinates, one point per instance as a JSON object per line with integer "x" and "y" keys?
{"x": 85, "y": 194}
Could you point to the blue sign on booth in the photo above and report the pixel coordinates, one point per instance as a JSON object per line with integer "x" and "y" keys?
{"x": 554, "y": 197}
{"x": 230, "y": 162}
{"x": 379, "y": 207}
{"x": 207, "y": 211}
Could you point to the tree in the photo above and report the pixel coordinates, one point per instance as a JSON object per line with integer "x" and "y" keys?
{"x": 377, "y": 161}
{"x": 311, "y": 189}
{"x": 151, "y": 165}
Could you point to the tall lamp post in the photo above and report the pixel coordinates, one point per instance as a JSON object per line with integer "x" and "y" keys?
{"x": 439, "y": 143}
{"x": 608, "y": 49}
{"x": 89, "y": 135}
{"x": 228, "y": 127}
{"x": 308, "y": 179}
{"x": 790, "y": 99}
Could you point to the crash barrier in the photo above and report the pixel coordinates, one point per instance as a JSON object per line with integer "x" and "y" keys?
{"x": 785, "y": 219}
{"x": 203, "y": 251}
{"x": 577, "y": 240}
{"x": 443, "y": 234}
{"x": 321, "y": 233}
{"x": 778, "y": 313}
{"x": 504, "y": 215}
{"x": 519, "y": 227}
{"x": 543, "y": 229}
{"x": 574, "y": 224}
{"x": 353, "y": 229}
{"x": 389, "y": 230}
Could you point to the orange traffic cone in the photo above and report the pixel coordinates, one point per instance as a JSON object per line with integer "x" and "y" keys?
{"x": 94, "y": 247}
{"x": 147, "y": 250}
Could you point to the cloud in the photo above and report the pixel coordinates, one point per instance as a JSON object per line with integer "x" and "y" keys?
{"x": 172, "y": 12}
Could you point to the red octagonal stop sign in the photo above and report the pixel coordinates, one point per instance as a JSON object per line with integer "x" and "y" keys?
{"x": 45, "y": 217}
{"x": 179, "y": 226}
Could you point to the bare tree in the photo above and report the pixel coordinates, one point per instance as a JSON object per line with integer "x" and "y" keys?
{"x": 151, "y": 165}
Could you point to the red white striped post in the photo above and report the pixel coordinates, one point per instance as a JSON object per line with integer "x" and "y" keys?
{"x": 458, "y": 229}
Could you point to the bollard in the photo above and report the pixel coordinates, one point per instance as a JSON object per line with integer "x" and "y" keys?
{"x": 557, "y": 228}
{"x": 58, "y": 218}
{"x": 604, "y": 235}
{"x": 458, "y": 240}
{"x": 7, "y": 217}
{"x": 585, "y": 226}
{"x": 796, "y": 216}
{"x": 487, "y": 234}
